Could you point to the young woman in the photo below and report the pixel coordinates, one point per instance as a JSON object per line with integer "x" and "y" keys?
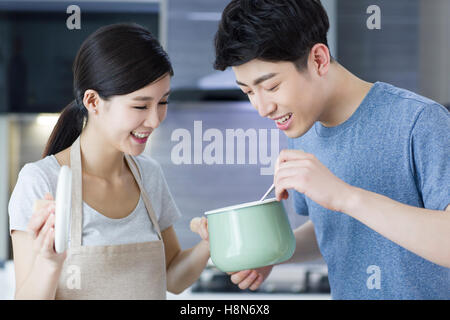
{"x": 122, "y": 243}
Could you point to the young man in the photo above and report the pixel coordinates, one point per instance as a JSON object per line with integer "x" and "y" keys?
{"x": 368, "y": 163}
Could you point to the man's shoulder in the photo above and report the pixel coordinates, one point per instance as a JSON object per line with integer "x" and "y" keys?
{"x": 402, "y": 101}
{"x": 403, "y": 94}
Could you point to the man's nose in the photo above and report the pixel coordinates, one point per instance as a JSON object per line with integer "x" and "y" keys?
{"x": 265, "y": 106}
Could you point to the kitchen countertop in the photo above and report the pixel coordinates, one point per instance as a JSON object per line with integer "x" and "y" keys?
{"x": 7, "y": 281}
{"x": 7, "y": 289}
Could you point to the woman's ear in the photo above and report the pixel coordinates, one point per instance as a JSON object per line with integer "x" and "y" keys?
{"x": 91, "y": 101}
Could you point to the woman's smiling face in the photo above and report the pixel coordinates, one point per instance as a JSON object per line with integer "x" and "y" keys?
{"x": 126, "y": 121}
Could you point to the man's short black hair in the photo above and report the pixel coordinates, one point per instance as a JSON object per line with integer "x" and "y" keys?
{"x": 269, "y": 30}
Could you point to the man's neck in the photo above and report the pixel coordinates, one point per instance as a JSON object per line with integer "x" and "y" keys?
{"x": 346, "y": 94}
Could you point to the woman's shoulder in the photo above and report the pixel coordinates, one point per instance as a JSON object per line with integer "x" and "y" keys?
{"x": 46, "y": 168}
{"x": 150, "y": 170}
{"x": 146, "y": 160}
{"x": 147, "y": 163}
{"x": 34, "y": 180}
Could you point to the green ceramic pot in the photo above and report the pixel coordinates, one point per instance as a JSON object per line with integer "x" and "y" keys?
{"x": 250, "y": 235}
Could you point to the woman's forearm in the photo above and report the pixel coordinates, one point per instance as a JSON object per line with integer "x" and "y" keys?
{"x": 187, "y": 266}
{"x": 41, "y": 283}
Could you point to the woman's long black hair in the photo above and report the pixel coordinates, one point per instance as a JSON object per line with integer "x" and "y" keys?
{"x": 115, "y": 60}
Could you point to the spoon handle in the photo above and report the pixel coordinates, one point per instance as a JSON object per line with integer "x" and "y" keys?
{"x": 268, "y": 191}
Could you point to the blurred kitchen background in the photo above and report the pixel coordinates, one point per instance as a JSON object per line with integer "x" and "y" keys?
{"x": 411, "y": 50}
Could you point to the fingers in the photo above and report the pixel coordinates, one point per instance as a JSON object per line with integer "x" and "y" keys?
{"x": 283, "y": 194}
{"x": 291, "y": 174}
{"x": 39, "y": 204}
{"x": 42, "y": 228}
{"x": 48, "y": 196}
{"x": 303, "y": 163}
{"x": 39, "y": 218}
{"x": 290, "y": 177}
{"x": 200, "y": 226}
{"x": 45, "y": 234}
{"x": 288, "y": 183}
{"x": 257, "y": 282}
{"x": 290, "y": 154}
{"x": 49, "y": 240}
{"x": 204, "y": 229}
{"x": 195, "y": 224}
{"x": 247, "y": 279}
{"x": 239, "y": 276}
{"x": 291, "y": 168}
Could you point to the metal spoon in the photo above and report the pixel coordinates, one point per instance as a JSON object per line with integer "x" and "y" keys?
{"x": 268, "y": 191}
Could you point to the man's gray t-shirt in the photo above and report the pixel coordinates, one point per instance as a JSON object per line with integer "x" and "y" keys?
{"x": 397, "y": 144}
{"x": 37, "y": 178}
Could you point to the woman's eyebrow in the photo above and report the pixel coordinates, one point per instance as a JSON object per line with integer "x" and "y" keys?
{"x": 146, "y": 98}
{"x": 259, "y": 80}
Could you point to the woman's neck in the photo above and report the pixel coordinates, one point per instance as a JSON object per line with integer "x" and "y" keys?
{"x": 99, "y": 158}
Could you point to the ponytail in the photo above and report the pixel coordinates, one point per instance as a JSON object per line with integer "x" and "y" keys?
{"x": 67, "y": 129}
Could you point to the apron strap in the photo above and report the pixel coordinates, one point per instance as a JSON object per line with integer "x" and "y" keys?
{"x": 76, "y": 219}
{"x": 137, "y": 176}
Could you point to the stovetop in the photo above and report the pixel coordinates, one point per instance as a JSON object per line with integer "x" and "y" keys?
{"x": 284, "y": 279}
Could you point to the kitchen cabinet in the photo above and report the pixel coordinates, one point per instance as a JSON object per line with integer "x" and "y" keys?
{"x": 37, "y": 49}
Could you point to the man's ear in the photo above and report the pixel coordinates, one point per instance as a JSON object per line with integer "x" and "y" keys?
{"x": 320, "y": 59}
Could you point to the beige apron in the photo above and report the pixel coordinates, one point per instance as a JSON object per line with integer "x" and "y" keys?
{"x": 128, "y": 271}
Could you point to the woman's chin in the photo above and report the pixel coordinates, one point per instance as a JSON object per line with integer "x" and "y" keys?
{"x": 135, "y": 151}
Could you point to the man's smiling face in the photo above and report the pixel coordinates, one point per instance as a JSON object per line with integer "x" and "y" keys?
{"x": 279, "y": 91}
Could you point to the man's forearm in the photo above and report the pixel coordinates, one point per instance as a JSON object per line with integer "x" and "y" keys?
{"x": 306, "y": 248}
{"x": 422, "y": 231}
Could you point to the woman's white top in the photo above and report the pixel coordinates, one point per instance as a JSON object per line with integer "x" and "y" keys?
{"x": 37, "y": 178}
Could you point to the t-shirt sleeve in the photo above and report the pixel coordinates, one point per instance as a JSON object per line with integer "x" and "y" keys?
{"x": 430, "y": 149}
{"x": 32, "y": 184}
{"x": 169, "y": 210}
{"x": 300, "y": 205}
